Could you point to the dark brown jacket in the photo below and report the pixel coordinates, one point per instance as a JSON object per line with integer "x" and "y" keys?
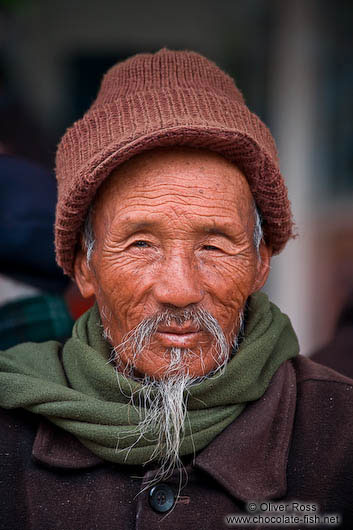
{"x": 293, "y": 446}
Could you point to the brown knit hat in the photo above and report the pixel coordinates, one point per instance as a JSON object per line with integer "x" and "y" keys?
{"x": 165, "y": 99}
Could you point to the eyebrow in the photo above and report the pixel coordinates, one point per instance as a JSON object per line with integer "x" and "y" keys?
{"x": 140, "y": 226}
{"x": 214, "y": 230}
{"x": 136, "y": 226}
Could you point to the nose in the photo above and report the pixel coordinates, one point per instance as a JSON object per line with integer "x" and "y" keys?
{"x": 178, "y": 282}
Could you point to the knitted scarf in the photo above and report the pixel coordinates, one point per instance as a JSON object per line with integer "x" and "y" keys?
{"x": 80, "y": 392}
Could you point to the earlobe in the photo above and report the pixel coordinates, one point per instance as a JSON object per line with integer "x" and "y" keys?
{"x": 83, "y": 275}
{"x": 263, "y": 268}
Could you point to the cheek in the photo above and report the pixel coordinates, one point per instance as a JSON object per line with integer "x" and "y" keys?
{"x": 229, "y": 283}
{"x": 122, "y": 290}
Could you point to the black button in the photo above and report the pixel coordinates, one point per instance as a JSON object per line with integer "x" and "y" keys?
{"x": 161, "y": 498}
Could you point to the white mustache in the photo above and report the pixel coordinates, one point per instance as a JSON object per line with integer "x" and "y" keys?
{"x": 139, "y": 338}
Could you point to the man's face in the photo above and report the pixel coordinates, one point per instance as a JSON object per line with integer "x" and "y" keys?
{"x": 173, "y": 230}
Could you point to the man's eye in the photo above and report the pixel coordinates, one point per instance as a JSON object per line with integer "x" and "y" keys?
{"x": 140, "y": 244}
{"x": 210, "y": 247}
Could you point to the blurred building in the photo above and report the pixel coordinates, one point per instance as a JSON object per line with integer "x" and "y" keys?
{"x": 292, "y": 60}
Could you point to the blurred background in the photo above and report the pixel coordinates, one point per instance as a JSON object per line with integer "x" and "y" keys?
{"x": 293, "y": 60}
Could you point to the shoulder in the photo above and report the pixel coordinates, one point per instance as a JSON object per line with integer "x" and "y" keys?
{"x": 320, "y": 458}
{"x": 38, "y": 359}
{"x": 324, "y": 405}
{"x": 38, "y": 347}
{"x": 308, "y": 370}
{"x": 18, "y": 430}
{"x": 312, "y": 375}
{"x": 16, "y": 426}
{"x": 26, "y": 354}
{"x": 323, "y": 391}
{"x": 338, "y": 354}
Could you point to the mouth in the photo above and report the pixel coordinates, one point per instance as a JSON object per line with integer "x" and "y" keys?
{"x": 186, "y": 336}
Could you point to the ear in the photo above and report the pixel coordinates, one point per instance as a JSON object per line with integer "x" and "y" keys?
{"x": 84, "y": 275}
{"x": 263, "y": 266}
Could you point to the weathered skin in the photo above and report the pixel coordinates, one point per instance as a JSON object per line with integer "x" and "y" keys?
{"x": 173, "y": 228}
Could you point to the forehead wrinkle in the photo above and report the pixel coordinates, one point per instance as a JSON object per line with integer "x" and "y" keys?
{"x": 201, "y": 224}
{"x": 131, "y": 188}
{"x": 230, "y": 221}
{"x": 167, "y": 192}
{"x": 175, "y": 182}
{"x": 178, "y": 202}
{"x": 161, "y": 184}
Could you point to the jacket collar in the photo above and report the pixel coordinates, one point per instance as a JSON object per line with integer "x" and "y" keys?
{"x": 55, "y": 447}
{"x": 249, "y": 458}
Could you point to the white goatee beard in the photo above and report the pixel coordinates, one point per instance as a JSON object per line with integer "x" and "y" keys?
{"x": 163, "y": 401}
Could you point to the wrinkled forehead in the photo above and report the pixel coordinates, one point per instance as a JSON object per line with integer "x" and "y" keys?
{"x": 182, "y": 178}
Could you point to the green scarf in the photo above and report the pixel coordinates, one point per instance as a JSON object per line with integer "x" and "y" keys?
{"x": 81, "y": 393}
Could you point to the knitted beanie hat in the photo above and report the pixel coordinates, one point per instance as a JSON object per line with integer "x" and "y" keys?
{"x": 167, "y": 98}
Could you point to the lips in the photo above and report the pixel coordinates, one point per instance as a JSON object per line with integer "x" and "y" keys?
{"x": 186, "y": 336}
{"x": 178, "y": 330}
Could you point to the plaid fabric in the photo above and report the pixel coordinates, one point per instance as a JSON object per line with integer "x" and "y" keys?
{"x": 34, "y": 319}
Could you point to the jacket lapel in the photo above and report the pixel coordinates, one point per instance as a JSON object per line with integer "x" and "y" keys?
{"x": 57, "y": 448}
{"x": 249, "y": 458}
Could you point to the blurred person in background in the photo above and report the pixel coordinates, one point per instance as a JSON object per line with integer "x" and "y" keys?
{"x": 32, "y": 307}
{"x": 20, "y": 133}
{"x": 180, "y": 397}
{"x": 338, "y": 353}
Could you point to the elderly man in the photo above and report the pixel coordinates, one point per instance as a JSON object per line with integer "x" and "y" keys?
{"x": 180, "y": 401}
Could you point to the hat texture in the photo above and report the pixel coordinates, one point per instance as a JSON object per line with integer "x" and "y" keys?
{"x": 165, "y": 99}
